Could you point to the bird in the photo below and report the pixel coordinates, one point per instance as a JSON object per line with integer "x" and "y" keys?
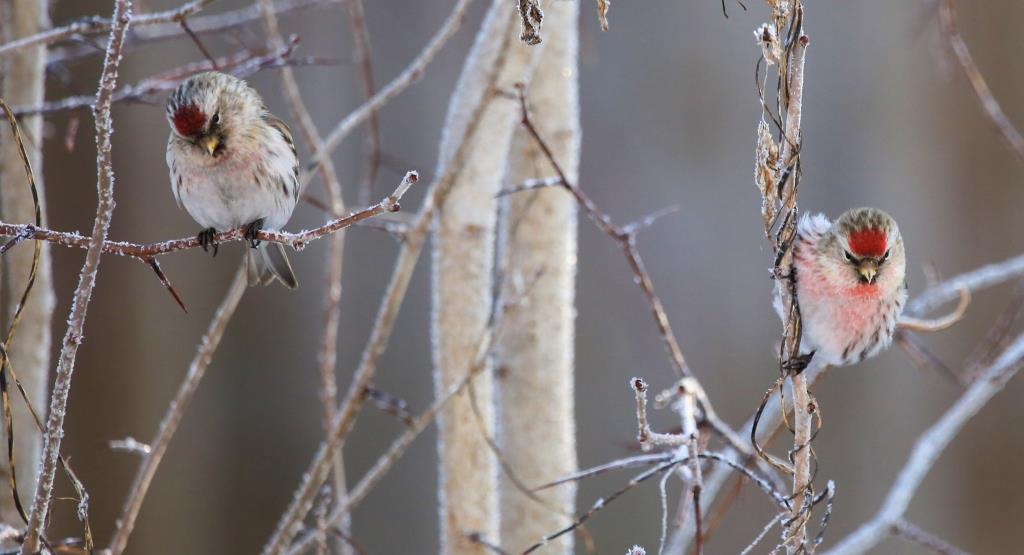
{"x": 232, "y": 163}
{"x": 850, "y": 284}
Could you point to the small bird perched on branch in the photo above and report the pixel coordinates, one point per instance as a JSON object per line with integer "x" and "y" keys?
{"x": 233, "y": 163}
{"x": 850, "y": 284}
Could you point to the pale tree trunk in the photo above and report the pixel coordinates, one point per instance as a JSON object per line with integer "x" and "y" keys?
{"x": 535, "y": 352}
{"x": 463, "y": 279}
{"x": 23, "y": 79}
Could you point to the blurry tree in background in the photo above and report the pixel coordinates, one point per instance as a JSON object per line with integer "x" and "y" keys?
{"x": 294, "y": 422}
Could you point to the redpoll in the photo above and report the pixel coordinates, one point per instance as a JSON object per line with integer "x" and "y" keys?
{"x": 850, "y": 284}
{"x": 233, "y": 163}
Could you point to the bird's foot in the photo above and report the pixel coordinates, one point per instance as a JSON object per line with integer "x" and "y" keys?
{"x": 251, "y": 231}
{"x": 798, "y": 363}
{"x": 206, "y": 241}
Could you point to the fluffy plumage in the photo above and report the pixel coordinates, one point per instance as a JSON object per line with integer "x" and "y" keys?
{"x": 233, "y": 163}
{"x": 850, "y": 284}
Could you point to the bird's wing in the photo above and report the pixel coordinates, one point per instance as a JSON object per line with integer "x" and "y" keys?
{"x": 286, "y": 133}
{"x": 175, "y": 176}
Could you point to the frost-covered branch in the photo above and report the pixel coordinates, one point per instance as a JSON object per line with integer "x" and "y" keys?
{"x": 86, "y": 280}
{"x": 146, "y": 251}
{"x": 97, "y": 25}
{"x": 241, "y": 64}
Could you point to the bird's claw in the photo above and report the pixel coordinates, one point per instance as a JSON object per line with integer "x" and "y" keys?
{"x": 798, "y": 363}
{"x": 251, "y": 231}
{"x": 206, "y": 240}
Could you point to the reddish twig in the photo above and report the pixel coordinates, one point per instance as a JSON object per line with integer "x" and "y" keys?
{"x": 625, "y": 236}
{"x": 155, "y": 265}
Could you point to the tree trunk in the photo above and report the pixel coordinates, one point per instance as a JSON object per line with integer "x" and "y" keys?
{"x": 535, "y": 352}
{"x": 463, "y": 279}
{"x": 23, "y": 84}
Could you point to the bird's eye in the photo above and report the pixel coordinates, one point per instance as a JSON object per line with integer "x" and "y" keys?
{"x": 885, "y": 256}
{"x": 849, "y": 257}
{"x": 215, "y": 120}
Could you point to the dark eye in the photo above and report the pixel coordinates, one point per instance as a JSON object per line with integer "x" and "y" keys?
{"x": 885, "y": 256}
{"x": 849, "y": 257}
{"x": 215, "y": 120}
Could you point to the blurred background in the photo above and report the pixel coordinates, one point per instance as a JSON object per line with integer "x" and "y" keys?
{"x": 669, "y": 116}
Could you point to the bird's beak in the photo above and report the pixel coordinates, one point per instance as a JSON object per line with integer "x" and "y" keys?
{"x": 868, "y": 269}
{"x": 210, "y": 143}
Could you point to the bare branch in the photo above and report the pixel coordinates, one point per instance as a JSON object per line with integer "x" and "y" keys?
{"x": 199, "y": 24}
{"x": 407, "y": 77}
{"x": 929, "y": 447}
{"x": 96, "y": 25}
{"x": 130, "y": 445}
{"x": 386, "y": 316}
{"x": 1011, "y": 136}
{"x": 912, "y": 533}
{"x": 981, "y": 278}
{"x": 145, "y": 251}
{"x": 941, "y": 323}
{"x": 361, "y": 42}
{"x": 626, "y": 239}
{"x": 154, "y": 452}
{"x": 241, "y": 64}
{"x": 327, "y": 354}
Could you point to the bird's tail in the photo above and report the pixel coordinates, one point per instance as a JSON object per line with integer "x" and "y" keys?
{"x": 268, "y": 262}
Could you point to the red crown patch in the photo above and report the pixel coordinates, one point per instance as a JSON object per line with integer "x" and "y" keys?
{"x": 189, "y": 120}
{"x": 868, "y": 242}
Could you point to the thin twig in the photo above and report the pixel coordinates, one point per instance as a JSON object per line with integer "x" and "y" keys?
{"x": 241, "y": 65}
{"x": 86, "y": 281}
{"x": 665, "y": 466}
{"x": 384, "y": 323}
{"x": 408, "y": 76}
{"x": 929, "y": 447}
{"x": 625, "y": 236}
{"x": 1011, "y": 136}
{"x": 154, "y": 452}
{"x": 941, "y": 323}
{"x": 327, "y": 354}
{"x": 398, "y": 447}
{"x": 361, "y": 44}
{"x": 981, "y": 278}
{"x": 200, "y": 25}
{"x": 629, "y": 462}
{"x": 912, "y": 533}
{"x": 97, "y": 25}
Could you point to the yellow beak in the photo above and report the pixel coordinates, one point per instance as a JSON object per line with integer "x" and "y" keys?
{"x": 210, "y": 143}
{"x": 868, "y": 269}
